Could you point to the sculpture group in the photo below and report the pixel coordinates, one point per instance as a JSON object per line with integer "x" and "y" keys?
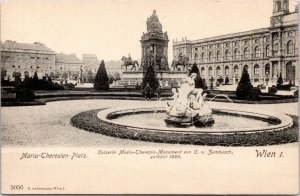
{"x": 189, "y": 106}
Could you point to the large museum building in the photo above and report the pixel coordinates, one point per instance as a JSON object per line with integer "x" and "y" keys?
{"x": 266, "y": 52}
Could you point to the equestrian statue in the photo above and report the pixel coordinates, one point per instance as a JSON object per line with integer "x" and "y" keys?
{"x": 182, "y": 60}
{"x": 128, "y": 61}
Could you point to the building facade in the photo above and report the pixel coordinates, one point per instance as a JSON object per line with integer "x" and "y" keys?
{"x": 21, "y": 57}
{"x": 68, "y": 64}
{"x": 266, "y": 52}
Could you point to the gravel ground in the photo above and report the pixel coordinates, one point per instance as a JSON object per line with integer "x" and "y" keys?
{"x": 49, "y": 125}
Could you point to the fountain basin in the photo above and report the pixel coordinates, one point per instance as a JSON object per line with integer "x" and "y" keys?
{"x": 250, "y": 128}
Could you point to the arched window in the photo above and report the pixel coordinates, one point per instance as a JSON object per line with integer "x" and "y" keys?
{"x": 290, "y": 47}
{"x": 256, "y": 52}
{"x": 236, "y": 54}
{"x": 226, "y": 71}
{"x": 210, "y": 70}
{"x": 196, "y": 58}
{"x": 267, "y": 69}
{"x": 256, "y": 69}
{"x": 202, "y": 56}
{"x": 218, "y": 55}
{"x": 236, "y": 69}
{"x": 226, "y": 55}
{"x": 209, "y": 56}
{"x": 218, "y": 71}
{"x": 268, "y": 52}
{"x": 202, "y": 71}
{"x": 246, "y": 53}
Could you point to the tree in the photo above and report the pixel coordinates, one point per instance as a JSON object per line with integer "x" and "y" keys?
{"x": 3, "y": 74}
{"x": 226, "y": 80}
{"x": 116, "y": 76}
{"x": 64, "y": 75}
{"x": 198, "y": 80}
{"x": 90, "y": 77}
{"x": 150, "y": 78}
{"x": 279, "y": 80}
{"x": 111, "y": 78}
{"x": 101, "y": 80}
{"x": 26, "y": 80}
{"x": 245, "y": 89}
{"x": 35, "y": 76}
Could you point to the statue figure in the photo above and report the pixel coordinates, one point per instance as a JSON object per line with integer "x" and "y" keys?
{"x": 189, "y": 106}
{"x": 128, "y": 61}
{"x": 164, "y": 63}
{"x": 182, "y": 60}
{"x": 153, "y": 23}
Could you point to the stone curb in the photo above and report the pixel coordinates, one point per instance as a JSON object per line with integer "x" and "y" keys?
{"x": 90, "y": 122}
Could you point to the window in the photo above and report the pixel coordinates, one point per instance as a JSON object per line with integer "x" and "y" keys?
{"x": 30, "y": 67}
{"x": 13, "y": 66}
{"x": 256, "y": 52}
{"x": 196, "y": 58}
{"x": 226, "y": 71}
{"x": 246, "y": 53}
{"x": 32, "y": 57}
{"x": 209, "y": 56}
{"x": 290, "y": 47}
{"x": 268, "y": 54}
{"x": 47, "y": 58}
{"x": 236, "y": 54}
{"x": 276, "y": 47}
{"x": 267, "y": 69}
{"x": 37, "y": 67}
{"x": 202, "y": 71}
{"x": 218, "y": 71}
{"x": 218, "y": 55}
{"x": 278, "y": 6}
{"x": 60, "y": 67}
{"x": 236, "y": 69}
{"x": 226, "y": 55}
{"x": 38, "y": 57}
{"x": 210, "y": 71}
{"x": 196, "y": 49}
{"x": 19, "y": 66}
{"x": 256, "y": 69}
{"x": 202, "y": 56}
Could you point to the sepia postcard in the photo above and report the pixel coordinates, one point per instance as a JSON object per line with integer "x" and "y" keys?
{"x": 149, "y": 97}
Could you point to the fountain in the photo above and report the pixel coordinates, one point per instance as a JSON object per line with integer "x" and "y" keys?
{"x": 189, "y": 107}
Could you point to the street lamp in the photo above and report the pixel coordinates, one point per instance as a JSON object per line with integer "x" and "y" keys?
{"x": 267, "y": 79}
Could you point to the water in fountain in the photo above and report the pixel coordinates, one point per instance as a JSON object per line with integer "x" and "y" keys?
{"x": 221, "y": 95}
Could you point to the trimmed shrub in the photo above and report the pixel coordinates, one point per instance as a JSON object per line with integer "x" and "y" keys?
{"x": 101, "y": 80}
{"x": 24, "y": 95}
{"x": 150, "y": 78}
{"x": 226, "y": 80}
{"x": 272, "y": 90}
{"x": 245, "y": 89}
{"x": 198, "y": 80}
{"x": 279, "y": 80}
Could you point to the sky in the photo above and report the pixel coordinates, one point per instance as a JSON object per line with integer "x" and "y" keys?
{"x": 113, "y": 28}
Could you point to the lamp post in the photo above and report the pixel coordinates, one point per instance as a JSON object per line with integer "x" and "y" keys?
{"x": 267, "y": 78}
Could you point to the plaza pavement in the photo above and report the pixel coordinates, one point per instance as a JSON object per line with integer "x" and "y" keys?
{"x": 49, "y": 125}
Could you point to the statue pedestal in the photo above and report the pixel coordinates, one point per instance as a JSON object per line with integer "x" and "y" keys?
{"x": 166, "y": 77}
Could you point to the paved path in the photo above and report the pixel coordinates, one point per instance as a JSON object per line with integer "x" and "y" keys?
{"x": 49, "y": 125}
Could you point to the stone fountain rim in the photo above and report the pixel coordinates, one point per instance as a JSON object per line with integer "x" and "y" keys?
{"x": 285, "y": 121}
